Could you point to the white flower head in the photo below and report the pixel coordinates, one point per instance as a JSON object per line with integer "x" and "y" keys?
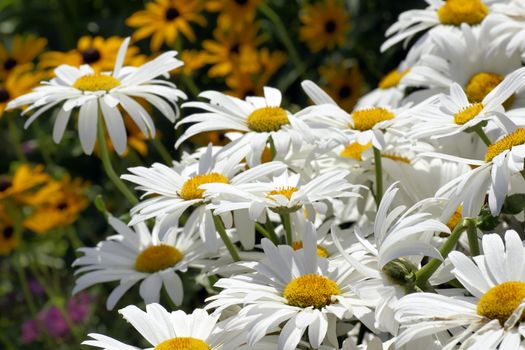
{"x": 492, "y": 317}
{"x": 135, "y": 255}
{"x": 91, "y": 92}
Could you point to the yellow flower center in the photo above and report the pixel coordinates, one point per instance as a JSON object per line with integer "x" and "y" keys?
{"x": 311, "y": 290}
{"x": 454, "y": 219}
{"x": 516, "y": 138}
{"x": 392, "y": 79}
{"x": 183, "y": 343}
{"x": 456, "y": 12}
{"x": 396, "y": 158}
{"x": 157, "y": 258}
{"x": 467, "y": 113}
{"x": 366, "y": 119}
{"x": 96, "y": 82}
{"x": 267, "y": 119}
{"x": 283, "y": 191}
{"x": 355, "y": 150}
{"x": 190, "y": 189}
{"x": 500, "y": 301}
{"x": 321, "y": 251}
{"x": 480, "y": 85}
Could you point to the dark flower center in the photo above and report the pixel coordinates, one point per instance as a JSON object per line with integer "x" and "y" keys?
{"x": 4, "y": 184}
{"x": 62, "y": 206}
{"x": 9, "y": 63}
{"x": 235, "y": 48}
{"x": 345, "y": 91}
{"x": 4, "y": 95}
{"x": 241, "y": 2}
{"x": 91, "y": 55}
{"x": 330, "y": 26}
{"x": 172, "y": 13}
{"x": 8, "y": 232}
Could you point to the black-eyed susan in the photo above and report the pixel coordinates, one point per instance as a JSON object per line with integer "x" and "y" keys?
{"x": 233, "y": 13}
{"x": 19, "y": 82}
{"x": 24, "y": 49}
{"x": 100, "y": 53}
{"x": 193, "y": 61}
{"x": 8, "y": 238}
{"x": 324, "y": 25}
{"x": 163, "y": 20}
{"x": 58, "y": 204}
{"x": 25, "y": 178}
{"x": 344, "y": 83}
{"x": 232, "y": 50}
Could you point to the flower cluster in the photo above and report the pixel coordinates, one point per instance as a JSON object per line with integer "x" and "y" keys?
{"x": 392, "y": 219}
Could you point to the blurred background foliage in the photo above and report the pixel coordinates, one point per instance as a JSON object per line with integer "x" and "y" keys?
{"x": 37, "y": 266}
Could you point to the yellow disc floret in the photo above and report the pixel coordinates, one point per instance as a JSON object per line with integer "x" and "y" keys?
{"x": 311, "y": 291}
{"x": 355, "y": 150}
{"x": 516, "y": 138}
{"x": 456, "y": 12}
{"x": 468, "y": 113}
{"x": 455, "y": 219}
{"x": 365, "y": 119}
{"x": 157, "y": 257}
{"x": 321, "y": 251}
{"x": 396, "y": 158}
{"x": 500, "y": 301}
{"x": 480, "y": 85}
{"x": 392, "y": 79}
{"x": 183, "y": 343}
{"x": 267, "y": 119}
{"x": 96, "y": 82}
{"x": 283, "y": 191}
{"x": 190, "y": 189}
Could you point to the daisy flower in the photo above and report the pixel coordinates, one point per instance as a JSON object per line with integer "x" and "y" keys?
{"x": 402, "y": 237}
{"x": 136, "y": 254}
{"x": 324, "y": 25}
{"x": 438, "y": 13}
{"x": 508, "y": 26}
{"x": 164, "y": 20}
{"x": 170, "y": 330}
{"x": 174, "y": 190}
{"x": 90, "y": 92}
{"x": 261, "y": 119}
{"x": 503, "y": 160}
{"x": 289, "y": 292}
{"x": 467, "y": 57}
{"x": 364, "y": 125}
{"x": 489, "y": 319}
{"x": 448, "y": 115}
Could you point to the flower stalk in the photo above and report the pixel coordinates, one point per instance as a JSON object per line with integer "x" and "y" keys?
{"x": 219, "y": 226}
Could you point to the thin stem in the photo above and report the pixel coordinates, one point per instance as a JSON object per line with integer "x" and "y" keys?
{"x": 108, "y": 168}
{"x": 16, "y": 140}
{"x": 224, "y": 236}
{"x": 426, "y": 271}
{"x": 266, "y": 233}
{"x": 25, "y": 287}
{"x": 472, "y": 234}
{"x": 282, "y": 33}
{"x": 285, "y": 218}
{"x": 379, "y": 176}
{"x": 163, "y": 152}
{"x": 479, "y": 130}
{"x": 269, "y": 227}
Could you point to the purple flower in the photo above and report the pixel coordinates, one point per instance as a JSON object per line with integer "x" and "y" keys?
{"x": 54, "y": 321}
{"x": 29, "y": 331}
{"x": 78, "y": 307}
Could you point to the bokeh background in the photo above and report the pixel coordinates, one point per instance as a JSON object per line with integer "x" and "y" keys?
{"x": 51, "y": 196}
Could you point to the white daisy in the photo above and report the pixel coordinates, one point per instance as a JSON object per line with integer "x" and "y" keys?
{"x": 261, "y": 119}
{"x": 289, "y": 292}
{"x": 508, "y": 27}
{"x": 168, "y": 331}
{"x": 135, "y": 255}
{"x": 92, "y": 92}
{"x": 402, "y": 237}
{"x": 364, "y": 125}
{"x": 438, "y": 13}
{"x": 491, "y": 317}
{"x": 447, "y": 115}
{"x": 174, "y": 190}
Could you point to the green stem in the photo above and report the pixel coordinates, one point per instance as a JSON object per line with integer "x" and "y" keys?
{"x": 426, "y": 271}
{"x": 479, "y": 130}
{"x": 379, "y": 176}
{"x": 25, "y": 287}
{"x": 266, "y": 233}
{"x": 190, "y": 84}
{"x": 163, "y": 152}
{"x": 108, "y": 168}
{"x": 472, "y": 234}
{"x": 76, "y": 243}
{"x": 282, "y": 33}
{"x": 224, "y": 236}
{"x": 285, "y": 218}
{"x": 16, "y": 140}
